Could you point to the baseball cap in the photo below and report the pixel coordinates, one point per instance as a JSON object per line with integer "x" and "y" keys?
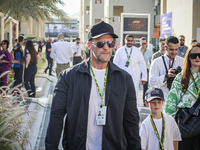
{"x": 154, "y": 93}
{"x": 101, "y": 29}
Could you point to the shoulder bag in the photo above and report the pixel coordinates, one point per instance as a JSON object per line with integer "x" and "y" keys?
{"x": 188, "y": 120}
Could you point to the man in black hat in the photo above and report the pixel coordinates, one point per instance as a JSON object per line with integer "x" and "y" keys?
{"x": 87, "y": 88}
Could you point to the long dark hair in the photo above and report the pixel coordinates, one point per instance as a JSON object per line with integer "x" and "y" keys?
{"x": 29, "y": 46}
{"x": 185, "y": 78}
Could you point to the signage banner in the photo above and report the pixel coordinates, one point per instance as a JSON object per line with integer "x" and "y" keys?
{"x": 166, "y": 25}
{"x": 135, "y": 24}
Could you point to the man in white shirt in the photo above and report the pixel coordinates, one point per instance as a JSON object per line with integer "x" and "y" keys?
{"x": 77, "y": 51}
{"x": 147, "y": 54}
{"x": 160, "y": 76}
{"x": 130, "y": 59}
{"x": 61, "y": 50}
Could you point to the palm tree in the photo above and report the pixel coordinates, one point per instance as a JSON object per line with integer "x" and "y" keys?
{"x": 37, "y": 9}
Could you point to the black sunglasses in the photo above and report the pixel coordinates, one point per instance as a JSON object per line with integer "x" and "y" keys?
{"x": 100, "y": 44}
{"x": 194, "y": 55}
{"x": 182, "y": 40}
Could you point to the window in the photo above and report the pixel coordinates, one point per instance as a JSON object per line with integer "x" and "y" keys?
{"x": 97, "y": 21}
{"x": 98, "y": 1}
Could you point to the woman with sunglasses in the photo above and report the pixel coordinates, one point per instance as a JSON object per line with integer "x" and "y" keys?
{"x": 30, "y": 68}
{"x": 5, "y": 60}
{"x": 185, "y": 91}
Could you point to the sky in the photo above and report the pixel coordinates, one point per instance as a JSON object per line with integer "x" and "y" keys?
{"x": 71, "y": 6}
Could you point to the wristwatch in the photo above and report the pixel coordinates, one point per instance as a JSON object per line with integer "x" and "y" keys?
{"x": 166, "y": 75}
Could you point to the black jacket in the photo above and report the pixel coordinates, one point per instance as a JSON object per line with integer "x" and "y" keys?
{"x": 71, "y": 97}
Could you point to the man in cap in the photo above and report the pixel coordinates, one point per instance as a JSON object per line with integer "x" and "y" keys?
{"x": 17, "y": 57}
{"x": 87, "y": 88}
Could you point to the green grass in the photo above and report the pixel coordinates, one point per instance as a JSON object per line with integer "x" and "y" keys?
{"x": 41, "y": 63}
{"x": 10, "y": 76}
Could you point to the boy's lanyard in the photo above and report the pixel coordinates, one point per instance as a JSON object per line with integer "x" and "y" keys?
{"x": 128, "y": 55}
{"x": 196, "y": 87}
{"x": 98, "y": 88}
{"x": 162, "y": 140}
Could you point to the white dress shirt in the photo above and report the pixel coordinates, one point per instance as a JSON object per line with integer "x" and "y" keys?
{"x": 158, "y": 71}
{"x": 62, "y": 51}
{"x": 77, "y": 49}
{"x": 136, "y": 67}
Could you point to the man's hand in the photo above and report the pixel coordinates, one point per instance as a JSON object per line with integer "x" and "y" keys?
{"x": 16, "y": 61}
{"x": 170, "y": 74}
{"x": 143, "y": 82}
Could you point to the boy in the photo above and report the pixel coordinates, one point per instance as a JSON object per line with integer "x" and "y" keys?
{"x": 158, "y": 131}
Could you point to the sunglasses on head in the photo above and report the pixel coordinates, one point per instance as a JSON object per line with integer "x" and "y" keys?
{"x": 100, "y": 44}
{"x": 194, "y": 55}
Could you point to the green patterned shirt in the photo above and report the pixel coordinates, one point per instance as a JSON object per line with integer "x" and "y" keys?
{"x": 177, "y": 99}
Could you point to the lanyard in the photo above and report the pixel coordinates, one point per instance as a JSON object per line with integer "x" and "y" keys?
{"x": 128, "y": 55}
{"x": 104, "y": 86}
{"x": 142, "y": 52}
{"x": 77, "y": 47}
{"x": 162, "y": 140}
{"x": 114, "y": 50}
{"x": 161, "y": 53}
{"x": 172, "y": 64}
{"x": 196, "y": 87}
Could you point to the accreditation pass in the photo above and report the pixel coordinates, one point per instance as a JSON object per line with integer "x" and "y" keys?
{"x": 101, "y": 115}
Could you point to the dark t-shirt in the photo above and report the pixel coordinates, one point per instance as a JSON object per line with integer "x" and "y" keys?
{"x": 18, "y": 54}
{"x": 39, "y": 48}
{"x": 48, "y": 45}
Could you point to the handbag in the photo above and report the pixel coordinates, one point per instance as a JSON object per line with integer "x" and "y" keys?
{"x": 188, "y": 120}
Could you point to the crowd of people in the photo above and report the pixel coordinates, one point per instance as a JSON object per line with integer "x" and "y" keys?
{"x": 100, "y": 95}
{"x": 95, "y": 101}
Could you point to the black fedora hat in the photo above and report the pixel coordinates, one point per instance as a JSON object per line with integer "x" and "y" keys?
{"x": 101, "y": 29}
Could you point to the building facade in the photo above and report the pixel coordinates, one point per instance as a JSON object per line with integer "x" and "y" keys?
{"x": 93, "y": 11}
{"x": 33, "y": 28}
{"x": 69, "y": 29}
{"x": 185, "y": 18}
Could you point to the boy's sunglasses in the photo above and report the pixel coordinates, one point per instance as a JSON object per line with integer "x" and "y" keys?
{"x": 100, "y": 44}
{"x": 194, "y": 55}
